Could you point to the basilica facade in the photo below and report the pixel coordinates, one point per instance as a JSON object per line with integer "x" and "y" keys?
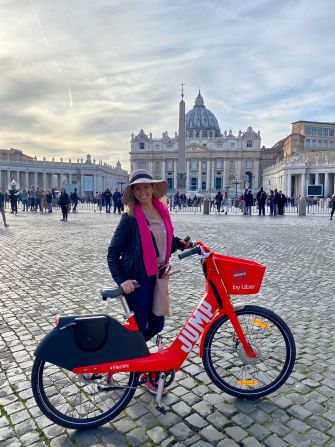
{"x": 214, "y": 160}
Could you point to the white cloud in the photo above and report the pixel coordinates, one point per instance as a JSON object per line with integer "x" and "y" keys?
{"x": 79, "y": 77}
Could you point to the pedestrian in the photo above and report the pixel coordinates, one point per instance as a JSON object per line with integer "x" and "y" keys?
{"x": 116, "y": 197}
{"x": 44, "y": 202}
{"x": 99, "y": 199}
{"x": 74, "y": 200}
{"x": 64, "y": 203}
{"x": 13, "y": 194}
{"x": 281, "y": 202}
{"x": 141, "y": 247}
{"x": 261, "y": 199}
{"x": 275, "y": 202}
{"x": 24, "y": 199}
{"x": 2, "y": 208}
{"x": 32, "y": 196}
{"x": 107, "y": 198}
{"x": 177, "y": 202}
{"x": 225, "y": 202}
{"x": 49, "y": 200}
{"x": 271, "y": 199}
{"x": 38, "y": 199}
{"x": 218, "y": 201}
{"x": 333, "y": 206}
{"x": 249, "y": 201}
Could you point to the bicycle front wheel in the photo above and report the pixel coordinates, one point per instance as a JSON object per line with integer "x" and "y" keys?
{"x": 230, "y": 368}
{"x": 80, "y": 401}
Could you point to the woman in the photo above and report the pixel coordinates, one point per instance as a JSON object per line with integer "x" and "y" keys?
{"x": 143, "y": 242}
{"x": 64, "y": 202}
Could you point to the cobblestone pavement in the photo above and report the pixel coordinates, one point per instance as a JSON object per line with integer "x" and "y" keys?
{"x": 50, "y": 267}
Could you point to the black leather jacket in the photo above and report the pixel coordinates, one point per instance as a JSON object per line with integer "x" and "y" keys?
{"x": 125, "y": 255}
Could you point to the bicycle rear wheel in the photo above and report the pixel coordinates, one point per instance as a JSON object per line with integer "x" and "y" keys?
{"x": 80, "y": 401}
{"x": 229, "y": 367}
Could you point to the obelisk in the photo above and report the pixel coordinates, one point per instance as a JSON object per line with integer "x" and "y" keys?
{"x": 181, "y": 161}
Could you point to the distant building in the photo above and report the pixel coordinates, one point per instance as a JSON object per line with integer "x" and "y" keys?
{"x": 307, "y": 158}
{"x": 88, "y": 176}
{"x": 214, "y": 161}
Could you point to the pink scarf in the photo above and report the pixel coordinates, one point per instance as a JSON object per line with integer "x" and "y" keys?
{"x": 149, "y": 254}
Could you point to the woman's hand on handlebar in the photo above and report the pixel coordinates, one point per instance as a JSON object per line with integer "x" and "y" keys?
{"x": 128, "y": 286}
{"x": 186, "y": 243}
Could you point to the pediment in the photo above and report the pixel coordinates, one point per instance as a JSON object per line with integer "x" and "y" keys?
{"x": 196, "y": 148}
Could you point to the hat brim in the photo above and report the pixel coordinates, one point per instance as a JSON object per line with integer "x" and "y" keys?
{"x": 161, "y": 187}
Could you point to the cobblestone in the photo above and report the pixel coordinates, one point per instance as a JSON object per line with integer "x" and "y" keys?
{"x": 60, "y": 268}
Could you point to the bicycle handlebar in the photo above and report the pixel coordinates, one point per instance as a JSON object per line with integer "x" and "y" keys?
{"x": 194, "y": 251}
{"x": 114, "y": 293}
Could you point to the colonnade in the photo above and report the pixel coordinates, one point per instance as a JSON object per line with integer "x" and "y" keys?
{"x": 87, "y": 181}
{"x": 295, "y": 182}
{"x": 208, "y": 174}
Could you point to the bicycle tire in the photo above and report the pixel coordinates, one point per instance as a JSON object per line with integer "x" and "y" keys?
{"x": 76, "y": 401}
{"x": 231, "y": 370}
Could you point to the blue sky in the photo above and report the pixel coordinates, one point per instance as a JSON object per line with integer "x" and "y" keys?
{"x": 80, "y": 76}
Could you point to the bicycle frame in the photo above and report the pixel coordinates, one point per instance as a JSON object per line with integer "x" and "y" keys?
{"x": 215, "y": 303}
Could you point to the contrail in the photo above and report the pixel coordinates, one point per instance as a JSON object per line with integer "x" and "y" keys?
{"x": 39, "y": 24}
{"x": 47, "y": 45}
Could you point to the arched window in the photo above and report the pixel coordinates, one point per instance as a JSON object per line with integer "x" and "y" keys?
{"x": 203, "y": 185}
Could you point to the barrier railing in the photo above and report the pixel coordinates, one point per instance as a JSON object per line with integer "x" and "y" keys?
{"x": 230, "y": 207}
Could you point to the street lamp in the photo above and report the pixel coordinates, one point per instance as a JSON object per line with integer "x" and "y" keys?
{"x": 121, "y": 183}
{"x": 236, "y": 182}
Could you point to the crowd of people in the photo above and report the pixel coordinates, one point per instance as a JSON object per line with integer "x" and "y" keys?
{"x": 35, "y": 199}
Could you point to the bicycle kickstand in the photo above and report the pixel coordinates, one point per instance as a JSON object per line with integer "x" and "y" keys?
{"x": 159, "y": 395}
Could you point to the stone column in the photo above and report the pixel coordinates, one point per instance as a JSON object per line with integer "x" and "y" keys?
{"x": 317, "y": 179}
{"x": 213, "y": 174}
{"x": 163, "y": 170}
{"x": 199, "y": 175}
{"x": 82, "y": 185}
{"x": 8, "y": 178}
{"x": 44, "y": 181}
{"x": 35, "y": 179}
{"x": 187, "y": 175}
{"x": 288, "y": 186}
{"x": 27, "y": 180}
{"x": 175, "y": 175}
{"x": 326, "y": 186}
{"x": 70, "y": 179}
{"x": 95, "y": 185}
{"x": 303, "y": 185}
{"x": 208, "y": 177}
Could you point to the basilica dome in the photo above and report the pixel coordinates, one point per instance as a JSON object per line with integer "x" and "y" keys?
{"x": 200, "y": 119}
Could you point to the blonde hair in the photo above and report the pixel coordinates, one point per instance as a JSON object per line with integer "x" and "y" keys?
{"x": 132, "y": 201}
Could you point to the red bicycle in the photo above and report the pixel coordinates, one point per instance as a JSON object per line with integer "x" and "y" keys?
{"x": 88, "y": 367}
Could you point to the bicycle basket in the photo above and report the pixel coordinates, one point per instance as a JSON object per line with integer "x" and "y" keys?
{"x": 240, "y": 276}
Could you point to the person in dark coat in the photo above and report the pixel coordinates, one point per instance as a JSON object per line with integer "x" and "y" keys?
{"x": 281, "y": 202}
{"x": 13, "y": 197}
{"x": 64, "y": 203}
{"x": 116, "y": 200}
{"x": 333, "y": 206}
{"x": 261, "y": 199}
{"x": 74, "y": 199}
{"x": 218, "y": 201}
{"x": 107, "y": 199}
{"x": 249, "y": 202}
